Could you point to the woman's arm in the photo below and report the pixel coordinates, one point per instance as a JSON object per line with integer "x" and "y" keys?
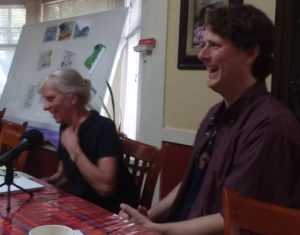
{"x": 102, "y": 177}
{"x": 58, "y": 178}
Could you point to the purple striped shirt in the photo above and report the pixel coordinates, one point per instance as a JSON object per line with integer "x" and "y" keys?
{"x": 256, "y": 151}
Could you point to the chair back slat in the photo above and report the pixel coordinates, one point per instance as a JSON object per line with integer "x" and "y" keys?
{"x": 2, "y": 112}
{"x": 142, "y": 161}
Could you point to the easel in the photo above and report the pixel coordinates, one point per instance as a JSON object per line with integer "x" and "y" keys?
{"x": 9, "y": 180}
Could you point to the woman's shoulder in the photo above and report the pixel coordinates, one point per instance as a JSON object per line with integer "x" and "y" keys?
{"x": 99, "y": 121}
{"x": 95, "y": 116}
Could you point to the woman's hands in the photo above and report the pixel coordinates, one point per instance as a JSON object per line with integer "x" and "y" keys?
{"x": 70, "y": 141}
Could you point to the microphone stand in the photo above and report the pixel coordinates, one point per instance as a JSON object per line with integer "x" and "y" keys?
{"x": 9, "y": 180}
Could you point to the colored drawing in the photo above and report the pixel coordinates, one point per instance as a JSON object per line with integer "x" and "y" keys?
{"x": 66, "y": 30}
{"x": 50, "y": 33}
{"x": 78, "y": 32}
{"x": 92, "y": 61}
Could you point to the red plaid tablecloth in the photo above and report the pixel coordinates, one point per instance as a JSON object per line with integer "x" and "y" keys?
{"x": 53, "y": 206}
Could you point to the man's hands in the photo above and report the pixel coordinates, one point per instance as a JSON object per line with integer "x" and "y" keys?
{"x": 138, "y": 216}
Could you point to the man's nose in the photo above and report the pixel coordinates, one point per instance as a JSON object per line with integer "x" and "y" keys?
{"x": 203, "y": 54}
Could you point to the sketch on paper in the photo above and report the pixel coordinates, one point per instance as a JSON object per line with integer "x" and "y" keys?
{"x": 44, "y": 60}
{"x": 50, "y": 33}
{"x": 31, "y": 93}
{"x": 67, "y": 59}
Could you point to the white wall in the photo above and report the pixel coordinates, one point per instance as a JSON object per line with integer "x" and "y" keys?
{"x": 152, "y": 75}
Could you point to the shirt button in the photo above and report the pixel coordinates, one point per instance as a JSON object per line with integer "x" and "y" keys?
{"x": 231, "y": 122}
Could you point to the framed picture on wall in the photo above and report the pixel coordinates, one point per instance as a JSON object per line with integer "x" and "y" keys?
{"x": 191, "y": 30}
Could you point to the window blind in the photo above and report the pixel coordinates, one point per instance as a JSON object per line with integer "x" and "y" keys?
{"x": 12, "y": 19}
{"x": 52, "y": 10}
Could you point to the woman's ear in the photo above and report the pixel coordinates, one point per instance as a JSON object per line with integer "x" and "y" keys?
{"x": 73, "y": 97}
{"x": 252, "y": 54}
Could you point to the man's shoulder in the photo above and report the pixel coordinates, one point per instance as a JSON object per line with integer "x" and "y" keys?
{"x": 270, "y": 114}
{"x": 269, "y": 106}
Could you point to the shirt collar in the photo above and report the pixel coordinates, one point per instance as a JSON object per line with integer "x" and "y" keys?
{"x": 230, "y": 114}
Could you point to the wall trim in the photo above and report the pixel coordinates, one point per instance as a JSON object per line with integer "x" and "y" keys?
{"x": 179, "y": 136}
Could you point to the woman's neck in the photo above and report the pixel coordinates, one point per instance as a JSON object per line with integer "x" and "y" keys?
{"x": 78, "y": 117}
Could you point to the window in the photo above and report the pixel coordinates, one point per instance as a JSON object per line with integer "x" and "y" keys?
{"x": 52, "y": 10}
{"x": 12, "y": 19}
{"x": 129, "y": 82}
{"x": 129, "y": 87}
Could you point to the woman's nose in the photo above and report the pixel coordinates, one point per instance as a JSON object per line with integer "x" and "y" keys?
{"x": 45, "y": 106}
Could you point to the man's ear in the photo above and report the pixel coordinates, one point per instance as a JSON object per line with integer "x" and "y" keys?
{"x": 252, "y": 54}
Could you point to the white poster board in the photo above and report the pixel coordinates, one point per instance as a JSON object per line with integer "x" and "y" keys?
{"x": 88, "y": 43}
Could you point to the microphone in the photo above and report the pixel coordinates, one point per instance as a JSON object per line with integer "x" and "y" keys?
{"x": 28, "y": 140}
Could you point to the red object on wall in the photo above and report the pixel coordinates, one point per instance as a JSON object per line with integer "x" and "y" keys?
{"x": 147, "y": 42}
{"x": 174, "y": 166}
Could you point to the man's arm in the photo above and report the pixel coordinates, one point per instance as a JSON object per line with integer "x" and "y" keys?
{"x": 157, "y": 212}
{"x": 205, "y": 225}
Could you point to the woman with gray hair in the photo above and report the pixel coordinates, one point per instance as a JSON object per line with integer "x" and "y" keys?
{"x": 89, "y": 149}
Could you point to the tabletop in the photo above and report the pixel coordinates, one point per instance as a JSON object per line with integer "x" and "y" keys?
{"x": 51, "y": 205}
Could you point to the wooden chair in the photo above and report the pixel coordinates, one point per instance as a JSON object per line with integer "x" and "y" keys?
{"x": 143, "y": 161}
{"x": 257, "y": 216}
{"x": 174, "y": 165}
{"x": 2, "y": 112}
{"x": 10, "y": 135}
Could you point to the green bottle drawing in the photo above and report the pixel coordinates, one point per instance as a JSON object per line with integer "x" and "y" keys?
{"x": 91, "y": 62}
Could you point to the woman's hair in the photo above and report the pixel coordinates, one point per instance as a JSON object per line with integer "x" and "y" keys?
{"x": 247, "y": 27}
{"x": 70, "y": 81}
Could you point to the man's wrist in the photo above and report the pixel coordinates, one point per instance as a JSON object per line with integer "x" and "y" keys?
{"x": 153, "y": 226}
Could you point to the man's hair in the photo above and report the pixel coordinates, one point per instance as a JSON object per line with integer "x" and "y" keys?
{"x": 247, "y": 27}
